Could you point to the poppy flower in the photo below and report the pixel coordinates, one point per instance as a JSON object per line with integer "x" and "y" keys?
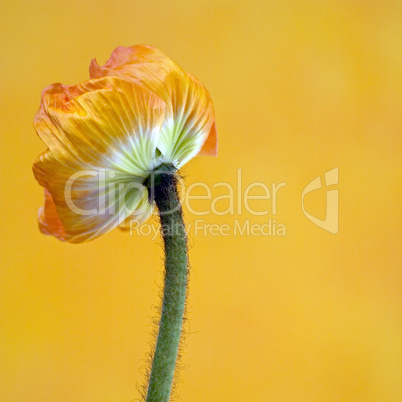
{"x": 106, "y": 135}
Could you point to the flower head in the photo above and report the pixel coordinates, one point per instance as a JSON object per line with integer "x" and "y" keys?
{"x": 105, "y": 136}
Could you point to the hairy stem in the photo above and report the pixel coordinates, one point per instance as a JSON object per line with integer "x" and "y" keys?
{"x": 162, "y": 185}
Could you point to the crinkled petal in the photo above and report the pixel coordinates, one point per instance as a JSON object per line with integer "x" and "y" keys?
{"x": 190, "y": 116}
{"x": 84, "y": 203}
{"x": 125, "y": 60}
{"x": 109, "y": 122}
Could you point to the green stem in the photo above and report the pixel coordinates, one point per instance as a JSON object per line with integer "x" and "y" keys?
{"x": 162, "y": 186}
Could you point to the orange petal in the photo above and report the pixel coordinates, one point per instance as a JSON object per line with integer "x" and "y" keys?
{"x": 128, "y": 60}
{"x": 108, "y": 121}
{"x": 190, "y": 115}
{"x": 49, "y": 220}
{"x": 210, "y": 147}
{"x": 87, "y": 201}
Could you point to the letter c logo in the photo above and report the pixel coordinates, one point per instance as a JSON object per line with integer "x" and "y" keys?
{"x": 330, "y": 223}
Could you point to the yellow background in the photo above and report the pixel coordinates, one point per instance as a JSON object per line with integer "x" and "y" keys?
{"x": 300, "y": 87}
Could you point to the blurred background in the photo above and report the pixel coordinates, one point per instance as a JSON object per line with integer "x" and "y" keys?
{"x": 300, "y": 88}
